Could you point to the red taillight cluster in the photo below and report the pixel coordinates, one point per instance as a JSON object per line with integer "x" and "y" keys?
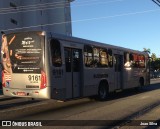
{"x": 43, "y": 80}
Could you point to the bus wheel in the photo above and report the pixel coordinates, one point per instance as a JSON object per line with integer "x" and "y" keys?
{"x": 32, "y": 99}
{"x": 103, "y": 91}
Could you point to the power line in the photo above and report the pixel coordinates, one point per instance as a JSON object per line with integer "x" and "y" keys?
{"x": 83, "y": 20}
{"x": 157, "y": 2}
{"x": 46, "y": 7}
{"x": 38, "y": 5}
{"x": 40, "y": 8}
{"x": 28, "y": 6}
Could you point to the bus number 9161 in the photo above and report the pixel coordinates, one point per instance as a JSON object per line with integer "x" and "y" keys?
{"x": 34, "y": 78}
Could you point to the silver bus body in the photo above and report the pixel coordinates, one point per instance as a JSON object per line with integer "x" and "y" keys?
{"x": 64, "y": 67}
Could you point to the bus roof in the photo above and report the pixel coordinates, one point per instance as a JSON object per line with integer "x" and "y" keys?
{"x": 94, "y": 43}
{"x": 84, "y": 41}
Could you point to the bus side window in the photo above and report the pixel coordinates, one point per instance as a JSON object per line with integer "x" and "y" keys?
{"x": 131, "y": 59}
{"x": 127, "y": 62}
{"x": 110, "y": 58}
{"x": 136, "y": 60}
{"x": 56, "y": 53}
{"x": 96, "y": 57}
{"x": 103, "y": 58}
{"x": 141, "y": 61}
{"x": 135, "y": 63}
{"x": 88, "y": 56}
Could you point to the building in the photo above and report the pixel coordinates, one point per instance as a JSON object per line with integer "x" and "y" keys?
{"x": 48, "y": 15}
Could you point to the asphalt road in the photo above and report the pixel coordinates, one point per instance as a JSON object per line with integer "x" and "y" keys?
{"x": 127, "y": 109}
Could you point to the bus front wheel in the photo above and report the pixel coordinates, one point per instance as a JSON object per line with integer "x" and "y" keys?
{"x": 103, "y": 91}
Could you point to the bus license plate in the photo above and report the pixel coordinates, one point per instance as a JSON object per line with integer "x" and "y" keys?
{"x": 21, "y": 93}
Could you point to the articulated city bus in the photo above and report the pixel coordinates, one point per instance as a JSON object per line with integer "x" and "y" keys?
{"x": 38, "y": 65}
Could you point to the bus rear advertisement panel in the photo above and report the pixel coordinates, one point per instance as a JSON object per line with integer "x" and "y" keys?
{"x": 22, "y": 57}
{"x": 24, "y": 52}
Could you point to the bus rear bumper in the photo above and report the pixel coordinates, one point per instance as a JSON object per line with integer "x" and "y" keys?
{"x": 30, "y": 93}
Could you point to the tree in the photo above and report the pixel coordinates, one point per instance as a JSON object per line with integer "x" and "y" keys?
{"x": 148, "y": 50}
{"x": 157, "y": 64}
{"x": 153, "y": 56}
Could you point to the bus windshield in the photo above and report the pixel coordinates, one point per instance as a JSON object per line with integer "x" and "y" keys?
{"x": 23, "y": 52}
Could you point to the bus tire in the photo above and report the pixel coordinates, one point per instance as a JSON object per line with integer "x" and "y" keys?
{"x": 103, "y": 91}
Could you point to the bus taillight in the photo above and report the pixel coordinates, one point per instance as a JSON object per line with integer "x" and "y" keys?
{"x": 43, "y": 80}
{"x": 3, "y": 81}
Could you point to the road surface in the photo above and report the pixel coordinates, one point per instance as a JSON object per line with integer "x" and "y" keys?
{"x": 127, "y": 109}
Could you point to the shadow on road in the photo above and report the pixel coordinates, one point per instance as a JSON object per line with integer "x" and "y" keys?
{"x": 53, "y": 106}
{"x": 131, "y": 92}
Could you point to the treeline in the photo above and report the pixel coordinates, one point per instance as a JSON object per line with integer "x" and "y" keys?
{"x": 155, "y": 64}
{"x": 155, "y": 61}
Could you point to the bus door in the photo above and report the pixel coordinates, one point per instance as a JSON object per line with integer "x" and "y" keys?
{"x": 73, "y": 67}
{"x": 118, "y": 59}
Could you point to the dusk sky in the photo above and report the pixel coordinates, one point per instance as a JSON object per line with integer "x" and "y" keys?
{"x": 132, "y": 24}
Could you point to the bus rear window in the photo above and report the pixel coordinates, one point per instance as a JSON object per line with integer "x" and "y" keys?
{"x": 23, "y": 52}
